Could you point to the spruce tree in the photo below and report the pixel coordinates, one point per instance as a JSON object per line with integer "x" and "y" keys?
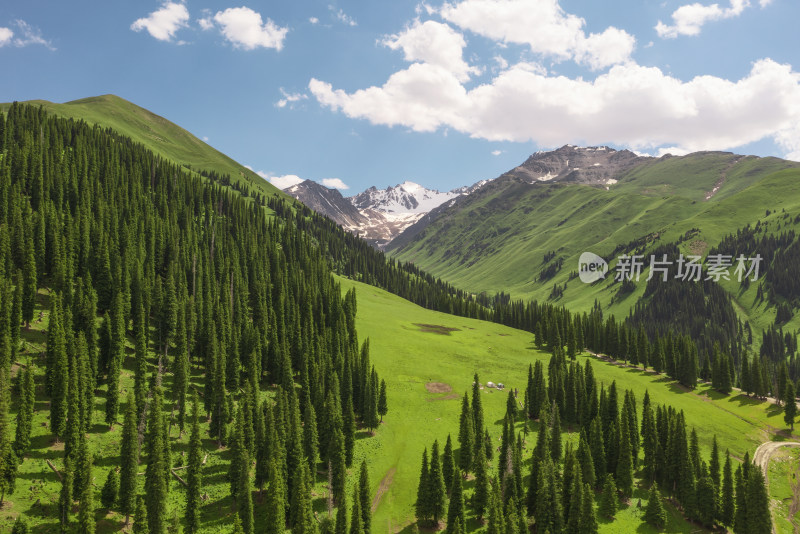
{"x": 608, "y": 500}
{"x": 466, "y": 436}
{"x": 355, "y": 517}
{"x": 341, "y": 518}
{"x": 448, "y": 463}
{"x": 727, "y": 501}
{"x": 437, "y": 495}
{"x": 588, "y": 516}
{"x": 155, "y": 483}
{"x": 364, "y": 495}
{"x": 706, "y": 499}
{"x": 555, "y": 437}
{"x": 22, "y": 438}
{"x": 455, "y": 511}
{"x": 86, "y": 522}
{"x": 759, "y": 519}
{"x": 624, "y": 463}
{"x": 302, "y": 514}
{"x": 789, "y": 404}
{"x": 129, "y": 460}
{"x": 141, "y": 524}
{"x": 654, "y": 512}
{"x": 110, "y": 492}
{"x": 422, "y": 505}
{"x": 480, "y": 497}
{"x": 65, "y": 497}
{"x": 275, "y": 500}
{"x": 193, "y": 476}
{"x": 383, "y": 407}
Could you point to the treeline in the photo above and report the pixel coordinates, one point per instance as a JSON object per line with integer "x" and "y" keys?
{"x": 353, "y": 257}
{"x": 220, "y": 303}
{"x": 554, "y": 489}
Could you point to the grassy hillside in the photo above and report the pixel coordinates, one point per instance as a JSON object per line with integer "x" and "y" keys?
{"x": 413, "y": 347}
{"x": 157, "y": 134}
{"x": 497, "y": 238}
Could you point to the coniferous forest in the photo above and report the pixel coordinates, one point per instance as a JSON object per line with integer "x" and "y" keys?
{"x": 179, "y": 313}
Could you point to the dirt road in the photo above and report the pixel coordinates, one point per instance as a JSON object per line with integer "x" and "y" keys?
{"x": 764, "y": 453}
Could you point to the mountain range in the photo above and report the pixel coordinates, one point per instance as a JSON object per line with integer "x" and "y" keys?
{"x": 377, "y": 215}
{"x": 381, "y": 216}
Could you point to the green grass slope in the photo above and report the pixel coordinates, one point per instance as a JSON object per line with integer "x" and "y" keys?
{"x": 412, "y": 346}
{"x": 157, "y": 134}
{"x": 496, "y": 239}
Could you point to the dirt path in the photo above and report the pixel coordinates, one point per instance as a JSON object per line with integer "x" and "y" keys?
{"x": 383, "y": 488}
{"x": 764, "y": 453}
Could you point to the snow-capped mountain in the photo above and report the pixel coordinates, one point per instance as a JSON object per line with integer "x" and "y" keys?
{"x": 377, "y": 215}
{"x": 381, "y": 215}
{"x": 401, "y": 200}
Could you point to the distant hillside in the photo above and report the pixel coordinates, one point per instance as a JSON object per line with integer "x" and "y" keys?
{"x": 523, "y": 232}
{"x": 157, "y": 134}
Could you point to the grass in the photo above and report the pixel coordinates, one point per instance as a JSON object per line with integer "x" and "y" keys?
{"x": 157, "y": 134}
{"x": 409, "y": 358}
{"x": 784, "y": 488}
{"x": 497, "y": 238}
{"x": 409, "y": 349}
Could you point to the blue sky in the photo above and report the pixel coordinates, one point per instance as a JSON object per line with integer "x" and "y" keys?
{"x": 444, "y": 94}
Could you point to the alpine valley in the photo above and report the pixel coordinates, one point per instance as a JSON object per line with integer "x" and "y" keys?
{"x": 186, "y": 348}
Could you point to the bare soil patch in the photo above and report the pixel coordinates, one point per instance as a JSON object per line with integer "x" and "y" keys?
{"x": 436, "y": 329}
{"x": 438, "y": 387}
{"x": 697, "y": 247}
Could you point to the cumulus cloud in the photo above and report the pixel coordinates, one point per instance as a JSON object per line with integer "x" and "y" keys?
{"x": 289, "y": 98}
{"x": 342, "y": 17}
{"x": 164, "y": 22}
{"x": 281, "y": 182}
{"x": 543, "y": 26}
{"x": 434, "y": 43}
{"x": 313, "y": 20}
{"x": 244, "y": 29}
{"x": 689, "y": 19}
{"x": 334, "y": 183}
{"x": 496, "y": 152}
{"x": 630, "y": 105}
{"x": 205, "y": 23}
{"x": 5, "y": 36}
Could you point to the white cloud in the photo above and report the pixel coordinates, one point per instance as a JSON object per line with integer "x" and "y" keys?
{"x": 630, "y": 105}
{"x": 28, "y": 35}
{"x": 313, "y": 20}
{"x": 289, "y": 99}
{"x": 543, "y": 26}
{"x": 281, "y": 182}
{"x": 434, "y": 43}
{"x": 205, "y": 138}
{"x": 244, "y": 28}
{"x": 164, "y": 22}
{"x": 5, "y": 36}
{"x": 690, "y": 18}
{"x": 496, "y": 152}
{"x": 334, "y": 183}
{"x": 342, "y": 17}
{"x": 205, "y": 23}
{"x": 501, "y": 62}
